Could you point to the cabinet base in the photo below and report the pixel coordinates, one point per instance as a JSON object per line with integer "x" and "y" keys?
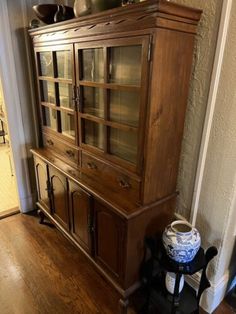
{"x": 123, "y": 293}
{"x": 123, "y": 306}
{"x": 41, "y": 216}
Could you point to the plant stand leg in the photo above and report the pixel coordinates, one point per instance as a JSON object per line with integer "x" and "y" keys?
{"x": 41, "y": 216}
{"x": 123, "y": 306}
{"x": 175, "y": 301}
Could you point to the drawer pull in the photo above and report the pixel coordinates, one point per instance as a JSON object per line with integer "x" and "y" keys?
{"x": 92, "y": 165}
{"x": 50, "y": 143}
{"x": 70, "y": 153}
{"x": 123, "y": 183}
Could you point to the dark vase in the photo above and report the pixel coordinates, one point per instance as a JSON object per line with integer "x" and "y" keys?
{"x": 60, "y": 15}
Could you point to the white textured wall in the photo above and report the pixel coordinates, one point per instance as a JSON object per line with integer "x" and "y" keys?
{"x": 198, "y": 94}
{"x": 216, "y": 218}
{"x": 217, "y": 209}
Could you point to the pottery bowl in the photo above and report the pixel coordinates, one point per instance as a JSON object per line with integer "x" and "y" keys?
{"x": 46, "y": 12}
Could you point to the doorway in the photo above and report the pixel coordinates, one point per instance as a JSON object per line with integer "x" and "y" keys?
{"x": 9, "y": 203}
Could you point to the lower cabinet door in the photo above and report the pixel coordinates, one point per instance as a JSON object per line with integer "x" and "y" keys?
{"x": 60, "y": 207}
{"x": 81, "y": 216}
{"x": 109, "y": 240}
{"x": 41, "y": 172}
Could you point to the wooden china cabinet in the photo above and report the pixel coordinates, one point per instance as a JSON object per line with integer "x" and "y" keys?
{"x": 112, "y": 90}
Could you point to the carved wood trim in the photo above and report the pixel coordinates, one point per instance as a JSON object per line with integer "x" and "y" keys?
{"x": 152, "y": 13}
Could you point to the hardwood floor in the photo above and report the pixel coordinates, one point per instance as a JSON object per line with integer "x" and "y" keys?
{"x": 42, "y": 272}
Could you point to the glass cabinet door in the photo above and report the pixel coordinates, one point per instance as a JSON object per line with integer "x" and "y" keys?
{"x": 45, "y": 61}
{"x": 93, "y": 133}
{"x": 125, "y": 65}
{"x": 124, "y": 107}
{"x": 111, "y": 79}
{"x": 93, "y": 101}
{"x": 123, "y": 144}
{"x": 92, "y": 61}
{"x": 56, "y": 87}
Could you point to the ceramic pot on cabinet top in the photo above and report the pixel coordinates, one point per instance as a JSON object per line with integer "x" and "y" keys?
{"x": 82, "y": 7}
{"x": 101, "y": 5}
{"x": 181, "y": 241}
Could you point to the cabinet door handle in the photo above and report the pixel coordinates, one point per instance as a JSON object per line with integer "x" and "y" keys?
{"x": 79, "y": 99}
{"x": 123, "y": 183}
{"x": 92, "y": 165}
{"x": 70, "y": 153}
{"x": 91, "y": 228}
{"x": 50, "y": 142}
{"x": 48, "y": 188}
{"x": 74, "y": 97}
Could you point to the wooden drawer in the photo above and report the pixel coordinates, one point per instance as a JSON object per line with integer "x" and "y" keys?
{"x": 117, "y": 182}
{"x": 70, "y": 153}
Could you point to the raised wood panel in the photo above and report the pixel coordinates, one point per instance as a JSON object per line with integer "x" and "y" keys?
{"x": 81, "y": 216}
{"x": 59, "y": 197}
{"x": 150, "y": 222}
{"x": 172, "y": 60}
{"x": 109, "y": 237}
{"x": 42, "y": 183}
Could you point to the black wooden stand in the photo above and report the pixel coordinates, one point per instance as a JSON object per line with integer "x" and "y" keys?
{"x": 154, "y": 268}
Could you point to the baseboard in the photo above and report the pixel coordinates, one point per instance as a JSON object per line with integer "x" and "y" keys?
{"x": 232, "y": 284}
{"x": 179, "y": 217}
{"x": 27, "y": 204}
{"x": 213, "y": 296}
{"x": 9, "y": 212}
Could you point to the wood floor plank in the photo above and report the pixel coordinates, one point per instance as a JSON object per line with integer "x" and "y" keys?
{"x": 41, "y": 272}
{"x": 58, "y": 277}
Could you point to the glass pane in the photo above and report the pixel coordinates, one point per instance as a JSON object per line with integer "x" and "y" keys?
{"x": 123, "y": 144}
{"x": 48, "y": 92}
{"x": 124, "y": 107}
{"x": 65, "y": 95}
{"x": 125, "y": 65}
{"x": 93, "y": 134}
{"x": 50, "y": 118}
{"x": 93, "y": 65}
{"x": 64, "y": 64}
{"x": 93, "y": 101}
{"x": 67, "y": 124}
{"x": 46, "y": 64}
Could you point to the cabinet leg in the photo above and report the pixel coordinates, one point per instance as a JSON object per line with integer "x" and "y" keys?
{"x": 123, "y": 306}
{"x": 41, "y": 216}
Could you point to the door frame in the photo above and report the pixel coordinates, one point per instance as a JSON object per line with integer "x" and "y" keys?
{"x": 13, "y": 111}
{"x": 215, "y": 78}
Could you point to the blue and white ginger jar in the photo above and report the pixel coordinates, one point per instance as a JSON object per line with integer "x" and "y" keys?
{"x": 181, "y": 241}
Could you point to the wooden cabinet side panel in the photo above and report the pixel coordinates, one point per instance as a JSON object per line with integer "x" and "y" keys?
{"x": 153, "y": 221}
{"x": 171, "y": 69}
